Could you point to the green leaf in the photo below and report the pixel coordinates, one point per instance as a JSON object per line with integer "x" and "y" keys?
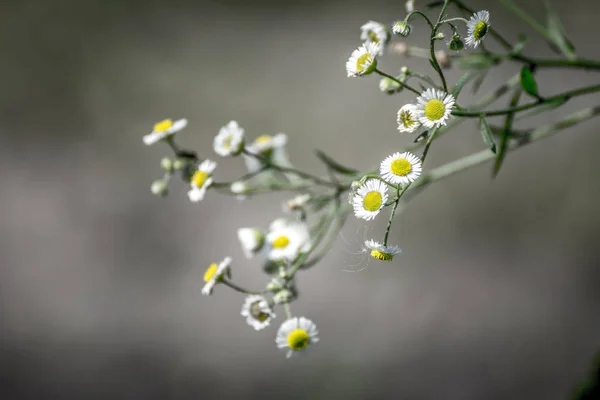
{"x": 486, "y": 134}
{"x": 506, "y": 133}
{"x": 557, "y": 32}
{"x": 334, "y": 165}
{"x": 460, "y": 84}
{"x": 479, "y": 81}
{"x": 528, "y": 81}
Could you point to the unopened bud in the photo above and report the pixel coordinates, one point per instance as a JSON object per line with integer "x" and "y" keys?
{"x": 159, "y": 188}
{"x": 166, "y": 164}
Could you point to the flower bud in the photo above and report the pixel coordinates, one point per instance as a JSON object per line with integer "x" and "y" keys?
{"x": 283, "y": 296}
{"x": 178, "y": 164}
{"x": 401, "y": 28}
{"x": 456, "y": 44}
{"x": 159, "y": 188}
{"x": 389, "y": 86}
{"x": 166, "y": 164}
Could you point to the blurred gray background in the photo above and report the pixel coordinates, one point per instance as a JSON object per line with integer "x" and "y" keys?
{"x": 495, "y": 296}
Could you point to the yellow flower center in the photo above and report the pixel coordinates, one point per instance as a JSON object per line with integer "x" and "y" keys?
{"x": 401, "y": 167}
{"x": 281, "y": 242}
{"x": 435, "y": 110}
{"x": 480, "y": 30}
{"x": 199, "y": 178}
{"x": 227, "y": 142}
{"x": 263, "y": 139}
{"x": 257, "y": 313}
{"x": 298, "y": 339}
{"x": 363, "y": 62}
{"x": 163, "y": 125}
{"x": 380, "y": 255}
{"x": 372, "y": 201}
{"x": 407, "y": 119}
{"x": 210, "y": 272}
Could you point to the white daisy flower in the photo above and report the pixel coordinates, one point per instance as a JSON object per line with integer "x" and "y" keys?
{"x": 400, "y": 169}
{"x": 287, "y": 241}
{"x": 201, "y": 180}
{"x": 252, "y": 240}
{"x": 257, "y": 312}
{"x": 369, "y": 199}
{"x": 164, "y": 128}
{"x": 401, "y": 28}
{"x": 477, "y": 27}
{"x": 377, "y": 33}
{"x": 213, "y": 274}
{"x": 230, "y": 140}
{"x": 297, "y": 202}
{"x": 296, "y": 334}
{"x": 381, "y": 252}
{"x": 407, "y": 118}
{"x": 434, "y": 108}
{"x": 363, "y": 60}
{"x": 268, "y": 147}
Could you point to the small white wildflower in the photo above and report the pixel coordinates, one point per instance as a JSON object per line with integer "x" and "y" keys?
{"x": 407, "y": 118}
{"x": 230, "y": 140}
{"x": 201, "y": 180}
{"x": 287, "y": 241}
{"x": 163, "y": 129}
{"x": 434, "y": 107}
{"x": 257, "y": 312}
{"x": 381, "y": 252}
{"x": 363, "y": 60}
{"x": 400, "y": 169}
{"x": 296, "y": 334}
{"x": 252, "y": 240}
{"x": 377, "y": 33}
{"x": 477, "y": 27}
{"x": 269, "y": 147}
{"x": 401, "y": 28}
{"x": 369, "y": 199}
{"x": 213, "y": 274}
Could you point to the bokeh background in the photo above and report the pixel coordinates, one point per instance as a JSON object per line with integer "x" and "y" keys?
{"x": 495, "y": 296}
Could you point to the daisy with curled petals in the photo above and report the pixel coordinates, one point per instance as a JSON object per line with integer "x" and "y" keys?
{"x": 381, "y": 252}
{"x": 252, "y": 241}
{"x": 375, "y": 32}
{"x": 230, "y": 140}
{"x": 201, "y": 180}
{"x": 434, "y": 108}
{"x": 296, "y": 334}
{"x": 287, "y": 241}
{"x": 214, "y": 273}
{"x": 400, "y": 169}
{"x": 407, "y": 118}
{"x": 477, "y": 27}
{"x": 257, "y": 312}
{"x": 363, "y": 60}
{"x": 163, "y": 129}
{"x": 369, "y": 199}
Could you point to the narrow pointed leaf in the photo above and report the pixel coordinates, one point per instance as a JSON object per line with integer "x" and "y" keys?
{"x": 460, "y": 84}
{"x": 557, "y": 32}
{"x": 479, "y": 81}
{"x": 486, "y": 134}
{"x": 334, "y": 165}
{"x": 506, "y": 134}
{"x": 528, "y": 81}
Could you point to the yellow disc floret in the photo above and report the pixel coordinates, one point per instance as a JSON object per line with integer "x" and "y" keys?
{"x": 298, "y": 339}
{"x": 365, "y": 63}
{"x": 435, "y": 110}
{"x": 480, "y": 30}
{"x": 281, "y": 242}
{"x": 372, "y": 201}
{"x": 263, "y": 139}
{"x": 199, "y": 178}
{"x": 407, "y": 119}
{"x": 401, "y": 167}
{"x": 380, "y": 255}
{"x": 210, "y": 272}
{"x": 163, "y": 125}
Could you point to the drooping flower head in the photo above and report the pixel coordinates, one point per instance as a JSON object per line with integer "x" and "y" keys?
{"x": 434, "y": 108}
{"x": 377, "y": 33}
{"x": 257, "y": 312}
{"x": 477, "y": 28}
{"x": 363, "y": 60}
{"x": 407, "y": 118}
{"x": 381, "y": 252}
{"x": 201, "y": 180}
{"x": 401, "y": 28}
{"x": 400, "y": 169}
{"x": 369, "y": 199}
{"x": 163, "y": 129}
{"x": 214, "y": 273}
{"x": 296, "y": 334}
{"x": 230, "y": 140}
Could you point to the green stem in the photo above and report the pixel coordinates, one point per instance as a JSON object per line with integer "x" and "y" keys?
{"x": 404, "y": 85}
{"x": 239, "y": 288}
